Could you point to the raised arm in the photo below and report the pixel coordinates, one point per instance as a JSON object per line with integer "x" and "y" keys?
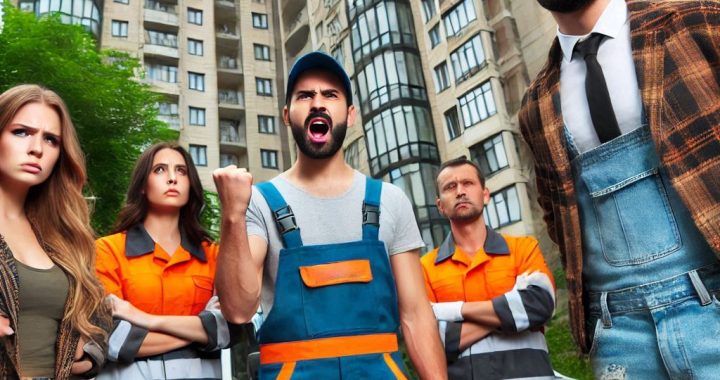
{"x": 240, "y": 261}
{"x": 416, "y": 318}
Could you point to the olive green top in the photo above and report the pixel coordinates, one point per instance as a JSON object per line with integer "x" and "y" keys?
{"x": 42, "y": 298}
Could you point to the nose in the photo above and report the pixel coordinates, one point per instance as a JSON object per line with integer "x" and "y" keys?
{"x": 317, "y": 104}
{"x": 36, "y": 145}
{"x": 172, "y": 180}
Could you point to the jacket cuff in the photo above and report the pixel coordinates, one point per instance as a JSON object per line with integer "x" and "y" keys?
{"x": 125, "y": 341}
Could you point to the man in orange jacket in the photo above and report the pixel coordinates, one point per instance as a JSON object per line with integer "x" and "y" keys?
{"x": 491, "y": 293}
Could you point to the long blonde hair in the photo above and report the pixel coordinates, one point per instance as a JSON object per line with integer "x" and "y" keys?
{"x": 59, "y": 214}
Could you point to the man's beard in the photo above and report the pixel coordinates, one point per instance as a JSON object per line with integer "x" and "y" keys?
{"x": 469, "y": 215}
{"x": 316, "y": 151}
{"x": 563, "y": 6}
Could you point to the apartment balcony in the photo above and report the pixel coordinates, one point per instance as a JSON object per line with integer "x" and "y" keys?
{"x": 163, "y": 47}
{"x": 232, "y": 136}
{"x": 297, "y": 23}
{"x": 224, "y": 5}
{"x": 163, "y": 87}
{"x": 227, "y": 32}
{"x": 227, "y": 159}
{"x": 231, "y": 99}
{"x": 172, "y": 121}
{"x": 231, "y": 65}
{"x": 160, "y": 13}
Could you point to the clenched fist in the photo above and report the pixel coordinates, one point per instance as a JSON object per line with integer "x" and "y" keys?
{"x": 234, "y": 186}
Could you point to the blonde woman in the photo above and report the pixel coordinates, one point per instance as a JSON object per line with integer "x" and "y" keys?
{"x": 54, "y": 323}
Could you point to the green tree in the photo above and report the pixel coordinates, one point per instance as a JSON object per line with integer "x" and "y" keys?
{"x": 113, "y": 112}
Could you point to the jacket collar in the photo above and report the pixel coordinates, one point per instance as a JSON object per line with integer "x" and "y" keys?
{"x": 138, "y": 242}
{"x": 495, "y": 244}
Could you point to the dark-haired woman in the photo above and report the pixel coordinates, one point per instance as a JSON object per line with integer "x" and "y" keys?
{"x": 53, "y": 323}
{"x": 158, "y": 269}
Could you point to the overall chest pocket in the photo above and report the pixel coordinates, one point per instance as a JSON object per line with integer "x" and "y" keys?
{"x": 339, "y": 297}
{"x": 636, "y": 223}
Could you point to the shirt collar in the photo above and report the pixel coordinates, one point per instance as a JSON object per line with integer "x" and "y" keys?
{"x": 610, "y": 24}
{"x": 138, "y": 242}
{"x": 495, "y": 244}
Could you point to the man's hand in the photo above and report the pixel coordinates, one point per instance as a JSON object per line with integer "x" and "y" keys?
{"x": 5, "y": 328}
{"x": 234, "y": 187}
{"x": 82, "y": 363}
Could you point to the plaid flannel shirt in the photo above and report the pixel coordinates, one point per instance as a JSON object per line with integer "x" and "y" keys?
{"x": 676, "y": 50}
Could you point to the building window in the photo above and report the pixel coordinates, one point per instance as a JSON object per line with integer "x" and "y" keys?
{"x": 263, "y": 86}
{"x": 384, "y": 24}
{"x": 338, "y": 54}
{"x": 269, "y": 158}
{"x": 468, "y": 59}
{"x": 334, "y": 27}
{"x": 452, "y": 124}
{"x": 196, "y": 81}
{"x": 490, "y": 155}
{"x": 259, "y": 20}
{"x": 389, "y": 76}
{"x": 442, "y": 79}
{"x": 262, "y": 52}
{"x": 195, "y": 47}
{"x": 434, "y": 36}
{"x": 477, "y": 105}
{"x": 153, "y": 37}
{"x": 266, "y": 124}
{"x": 503, "y": 208}
{"x": 319, "y": 33}
{"x": 429, "y": 10}
{"x": 459, "y": 17}
{"x": 163, "y": 73}
{"x": 197, "y": 116}
{"x": 352, "y": 154}
{"x": 119, "y": 28}
{"x": 198, "y": 154}
{"x": 167, "y": 109}
{"x": 194, "y": 16}
{"x": 397, "y": 134}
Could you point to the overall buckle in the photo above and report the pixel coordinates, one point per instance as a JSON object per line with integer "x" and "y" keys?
{"x": 285, "y": 220}
{"x": 371, "y": 214}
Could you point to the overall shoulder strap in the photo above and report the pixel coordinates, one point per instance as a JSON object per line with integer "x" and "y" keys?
{"x": 371, "y": 209}
{"x": 283, "y": 215}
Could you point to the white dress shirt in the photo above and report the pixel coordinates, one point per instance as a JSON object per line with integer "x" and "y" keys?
{"x": 615, "y": 58}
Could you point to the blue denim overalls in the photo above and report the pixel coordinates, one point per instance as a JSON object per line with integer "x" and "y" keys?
{"x": 649, "y": 275}
{"x": 335, "y": 313}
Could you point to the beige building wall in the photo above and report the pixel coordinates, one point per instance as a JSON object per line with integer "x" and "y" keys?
{"x": 164, "y": 36}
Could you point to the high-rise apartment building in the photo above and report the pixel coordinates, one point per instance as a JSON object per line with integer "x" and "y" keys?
{"x": 433, "y": 80}
{"x": 213, "y": 61}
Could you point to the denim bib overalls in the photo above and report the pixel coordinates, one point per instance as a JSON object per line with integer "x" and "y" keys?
{"x": 649, "y": 275}
{"x": 335, "y": 313}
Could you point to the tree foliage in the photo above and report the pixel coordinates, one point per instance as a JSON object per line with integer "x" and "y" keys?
{"x": 113, "y": 112}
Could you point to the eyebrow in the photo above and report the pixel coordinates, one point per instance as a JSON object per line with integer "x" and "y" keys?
{"x": 36, "y": 130}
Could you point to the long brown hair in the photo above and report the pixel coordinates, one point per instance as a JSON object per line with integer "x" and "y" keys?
{"x": 59, "y": 214}
{"x": 136, "y": 204}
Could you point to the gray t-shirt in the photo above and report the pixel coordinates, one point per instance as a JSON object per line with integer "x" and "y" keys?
{"x": 330, "y": 220}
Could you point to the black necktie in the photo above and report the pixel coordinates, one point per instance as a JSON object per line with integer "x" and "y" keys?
{"x": 601, "y": 111}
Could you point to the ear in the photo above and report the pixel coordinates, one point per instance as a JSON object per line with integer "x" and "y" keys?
{"x": 286, "y": 116}
{"x": 440, "y": 207}
{"x": 486, "y": 196}
{"x": 352, "y": 115}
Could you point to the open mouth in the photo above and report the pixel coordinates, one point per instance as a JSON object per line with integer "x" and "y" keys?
{"x": 318, "y": 129}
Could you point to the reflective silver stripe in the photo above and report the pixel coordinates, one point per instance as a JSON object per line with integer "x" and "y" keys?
{"x": 507, "y": 342}
{"x": 442, "y": 326}
{"x": 190, "y": 368}
{"x": 518, "y": 310}
{"x": 541, "y": 280}
{"x": 223, "y": 332}
{"x": 117, "y": 339}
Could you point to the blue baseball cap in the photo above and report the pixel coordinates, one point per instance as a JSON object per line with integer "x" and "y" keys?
{"x": 320, "y": 61}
